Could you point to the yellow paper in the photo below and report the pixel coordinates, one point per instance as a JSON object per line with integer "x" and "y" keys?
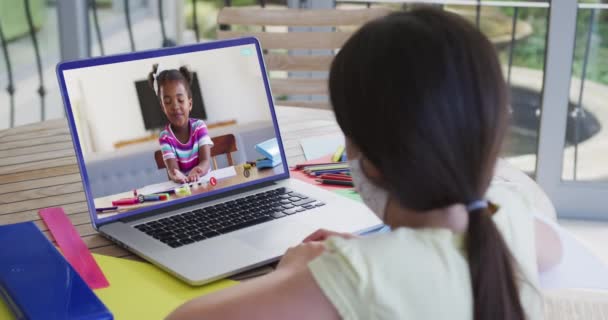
{"x": 4, "y": 313}
{"x": 140, "y": 290}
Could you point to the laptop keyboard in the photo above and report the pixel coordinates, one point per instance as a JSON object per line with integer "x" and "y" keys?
{"x": 200, "y": 224}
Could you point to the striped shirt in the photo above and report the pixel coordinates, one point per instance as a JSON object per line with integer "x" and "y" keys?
{"x": 186, "y": 154}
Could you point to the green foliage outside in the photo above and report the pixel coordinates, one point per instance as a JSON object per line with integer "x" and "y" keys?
{"x": 530, "y": 53}
{"x": 13, "y": 19}
{"x": 206, "y": 15}
{"x": 597, "y": 69}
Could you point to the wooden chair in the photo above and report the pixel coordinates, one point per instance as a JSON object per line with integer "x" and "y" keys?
{"x": 154, "y": 136}
{"x": 225, "y": 144}
{"x": 277, "y": 44}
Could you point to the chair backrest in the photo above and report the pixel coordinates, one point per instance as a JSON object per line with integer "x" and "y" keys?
{"x": 225, "y": 144}
{"x": 277, "y": 44}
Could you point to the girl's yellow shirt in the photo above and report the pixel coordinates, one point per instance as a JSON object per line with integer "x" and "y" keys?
{"x": 424, "y": 273}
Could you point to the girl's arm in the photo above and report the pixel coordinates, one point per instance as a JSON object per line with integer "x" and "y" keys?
{"x": 290, "y": 292}
{"x": 204, "y": 156}
{"x": 204, "y": 163}
{"x": 173, "y": 171}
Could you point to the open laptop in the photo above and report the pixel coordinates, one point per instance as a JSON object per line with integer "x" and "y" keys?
{"x": 237, "y": 217}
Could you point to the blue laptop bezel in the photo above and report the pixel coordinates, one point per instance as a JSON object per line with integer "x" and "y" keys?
{"x": 97, "y": 61}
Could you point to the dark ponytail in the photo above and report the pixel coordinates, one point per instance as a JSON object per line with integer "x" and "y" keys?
{"x": 186, "y": 74}
{"x": 492, "y": 272}
{"x": 421, "y": 93}
{"x": 183, "y": 74}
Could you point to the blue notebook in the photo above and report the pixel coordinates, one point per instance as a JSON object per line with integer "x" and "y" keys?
{"x": 38, "y": 283}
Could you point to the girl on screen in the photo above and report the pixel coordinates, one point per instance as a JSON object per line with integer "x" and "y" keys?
{"x": 184, "y": 142}
{"x": 423, "y": 104}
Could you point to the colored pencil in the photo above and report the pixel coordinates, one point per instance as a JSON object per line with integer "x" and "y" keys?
{"x": 302, "y": 165}
{"x": 326, "y": 168}
{"x": 318, "y": 173}
{"x": 342, "y": 177}
{"x": 336, "y": 182}
{"x": 314, "y": 165}
{"x": 338, "y": 154}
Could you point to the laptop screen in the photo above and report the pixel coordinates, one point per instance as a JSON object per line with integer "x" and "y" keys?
{"x": 166, "y": 127}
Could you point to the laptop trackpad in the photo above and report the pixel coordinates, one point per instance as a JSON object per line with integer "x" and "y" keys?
{"x": 277, "y": 237}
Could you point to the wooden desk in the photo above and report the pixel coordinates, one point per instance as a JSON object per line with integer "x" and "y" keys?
{"x": 38, "y": 169}
{"x": 240, "y": 177}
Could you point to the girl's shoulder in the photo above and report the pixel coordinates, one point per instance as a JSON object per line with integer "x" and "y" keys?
{"x": 393, "y": 274}
{"x": 400, "y": 245}
{"x": 515, "y": 215}
{"x": 195, "y": 123}
{"x": 164, "y": 134}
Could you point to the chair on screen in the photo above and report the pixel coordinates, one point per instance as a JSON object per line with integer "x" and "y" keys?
{"x": 279, "y": 46}
{"x": 222, "y": 145}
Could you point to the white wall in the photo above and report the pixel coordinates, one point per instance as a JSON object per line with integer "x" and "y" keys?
{"x": 107, "y": 106}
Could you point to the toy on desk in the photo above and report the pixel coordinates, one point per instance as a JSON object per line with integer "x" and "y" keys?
{"x": 268, "y": 163}
{"x": 247, "y": 168}
{"x": 183, "y": 191}
{"x": 272, "y": 155}
{"x": 125, "y": 201}
{"x": 152, "y": 197}
{"x": 135, "y": 200}
{"x": 212, "y": 181}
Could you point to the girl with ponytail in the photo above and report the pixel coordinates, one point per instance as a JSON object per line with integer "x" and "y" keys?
{"x": 421, "y": 99}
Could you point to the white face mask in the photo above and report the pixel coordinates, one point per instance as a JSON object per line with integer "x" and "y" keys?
{"x": 373, "y": 196}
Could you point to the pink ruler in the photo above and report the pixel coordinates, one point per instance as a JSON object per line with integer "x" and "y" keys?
{"x": 73, "y": 248}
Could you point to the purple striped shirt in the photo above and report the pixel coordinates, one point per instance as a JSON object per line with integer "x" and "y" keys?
{"x": 186, "y": 154}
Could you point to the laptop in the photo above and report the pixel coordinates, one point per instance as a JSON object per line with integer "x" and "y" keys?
{"x": 237, "y": 216}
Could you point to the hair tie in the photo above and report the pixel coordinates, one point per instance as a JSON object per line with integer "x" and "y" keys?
{"x": 476, "y": 205}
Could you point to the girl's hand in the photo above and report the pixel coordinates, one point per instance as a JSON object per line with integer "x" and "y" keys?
{"x": 195, "y": 174}
{"x": 178, "y": 176}
{"x": 323, "y": 234}
{"x": 299, "y": 256}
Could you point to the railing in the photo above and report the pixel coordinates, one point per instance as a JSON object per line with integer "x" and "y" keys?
{"x": 9, "y": 72}
{"x": 478, "y": 4}
{"x": 11, "y": 88}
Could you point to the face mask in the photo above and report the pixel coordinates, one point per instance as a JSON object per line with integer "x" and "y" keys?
{"x": 373, "y": 196}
